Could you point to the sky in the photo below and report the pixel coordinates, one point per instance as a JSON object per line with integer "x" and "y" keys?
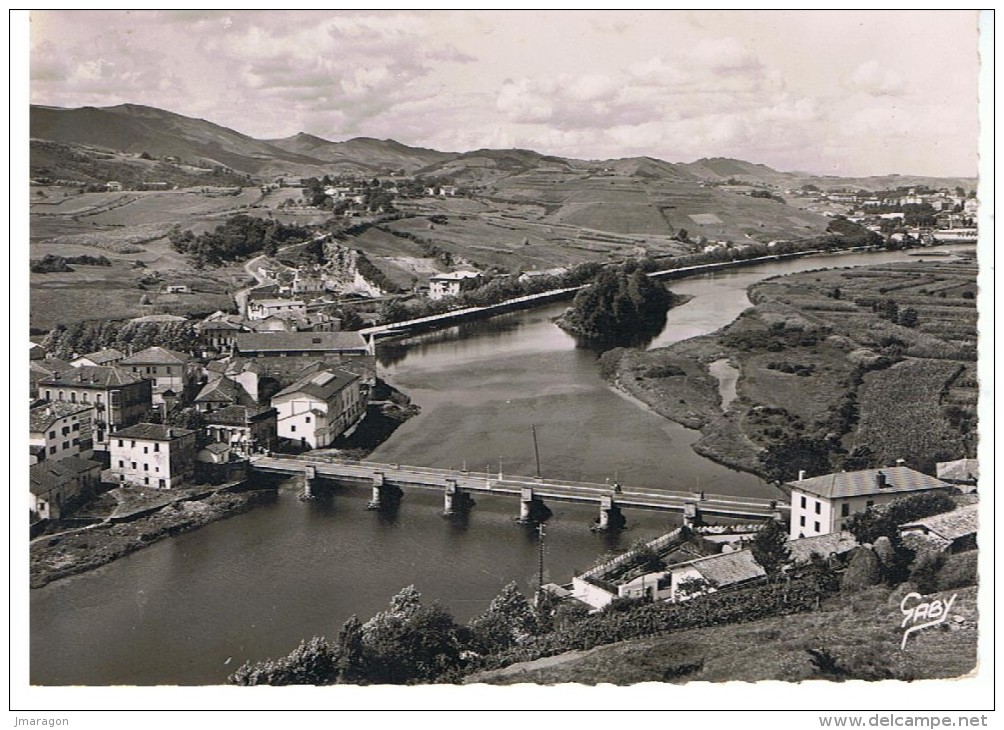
{"x": 828, "y": 92}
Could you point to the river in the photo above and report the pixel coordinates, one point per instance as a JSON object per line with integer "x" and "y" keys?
{"x": 190, "y": 609}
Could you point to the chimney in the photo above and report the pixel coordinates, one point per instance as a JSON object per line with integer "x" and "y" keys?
{"x": 801, "y": 474}
{"x": 900, "y": 462}
{"x": 880, "y": 480}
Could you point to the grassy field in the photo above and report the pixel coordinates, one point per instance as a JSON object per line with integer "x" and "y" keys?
{"x": 815, "y": 355}
{"x": 861, "y": 632}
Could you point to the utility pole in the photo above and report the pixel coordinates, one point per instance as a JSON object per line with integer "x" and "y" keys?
{"x": 536, "y": 451}
{"x": 540, "y": 564}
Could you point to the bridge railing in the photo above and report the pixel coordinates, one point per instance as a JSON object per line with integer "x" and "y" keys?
{"x": 542, "y": 484}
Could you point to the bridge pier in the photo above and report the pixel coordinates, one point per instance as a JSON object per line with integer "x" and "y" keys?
{"x": 610, "y": 516}
{"x": 532, "y": 509}
{"x": 691, "y": 515}
{"x": 376, "y": 499}
{"x": 309, "y": 474}
{"x": 455, "y": 500}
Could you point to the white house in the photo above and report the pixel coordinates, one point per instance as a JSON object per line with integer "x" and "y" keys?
{"x": 263, "y": 308}
{"x": 824, "y": 504}
{"x": 453, "y": 283}
{"x": 319, "y": 407}
{"x": 59, "y": 430}
{"x": 151, "y": 455}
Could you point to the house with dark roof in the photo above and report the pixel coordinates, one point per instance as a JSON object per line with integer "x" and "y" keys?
{"x": 39, "y": 370}
{"x": 953, "y": 531}
{"x": 54, "y": 486}
{"x": 151, "y": 455}
{"x": 221, "y": 392}
{"x": 824, "y": 504}
{"x": 319, "y": 407}
{"x": 282, "y": 354}
{"x": 246, "y": 429}
{"x": 218, "y": 332}
{"x": 59, "y": 430}
{"x": 120, "y": 398}
{"x": 168, "y": 369}
{"x": 103, "y": 358}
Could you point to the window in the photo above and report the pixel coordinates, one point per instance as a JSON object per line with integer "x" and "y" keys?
{"x": 156, "y": 448}
{"x": 845, "y": 509}
{"x": 76, "y": 426}
{"x": 816, "y": 526}
{"x": 161, "y": 483}
{"x": 121, "y": 444}
{"x": 97, "y": 398}
{"x": 52, "y": 434}
{"x": 146, "y": 449}
{"x": 134, "y": 465}
{"x": 73, "y": 396}
{"x": 819, "y": 507}
{"x": 292, "y": 428}
{"x": 307, "y": 419}
{"x": 156, "y": 469}
{"x": 62, "y": 396}
{"x": 146, "y": 480}
{"x": 66, "y": 430}
{"x": 85, "y": 398}
{"x": 121, "y": 464}
{"x": 76, "y": 442}
{"x": 801, "y": 521}
{"x": 52, "y": 449}
{"x": 168, "y": 369}
{"x": 48, "y": 395}
{"x": 132, "y": 444}
{"x": 66, "y": 444}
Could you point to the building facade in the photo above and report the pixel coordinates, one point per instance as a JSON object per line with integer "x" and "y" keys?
{"x": 59, "y": 430}
{"x": 246, "y": 429}
{"x": 320, "y": 407}
{"x": 167, "y": 369}
{"x": 453, "y": 284}
{"x": 152, "y": 455}
{"x": 55, "y": 486}
{"x": 824, "y": 504}
{"x": 120, "y": 398}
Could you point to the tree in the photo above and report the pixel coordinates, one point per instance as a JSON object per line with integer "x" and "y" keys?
{"x": 508, "y": 620}
{"x": 770, "y": 548}
{"x": 312, "y": 662}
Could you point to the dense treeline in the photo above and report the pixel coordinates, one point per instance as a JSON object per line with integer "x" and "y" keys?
{"x": 78, "y": 338}
{"x": 621, "y": 306}
{"x": 237, "y": 238}
{"x": 50, "y": 263}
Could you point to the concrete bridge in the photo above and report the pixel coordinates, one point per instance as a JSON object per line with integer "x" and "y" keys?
{"x": 456, "y": 487}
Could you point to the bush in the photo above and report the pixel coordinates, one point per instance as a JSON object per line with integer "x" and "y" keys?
{"x": 864, "y": 571}
{"x": 959, "y": 571}
{"x": 924, "y": 571}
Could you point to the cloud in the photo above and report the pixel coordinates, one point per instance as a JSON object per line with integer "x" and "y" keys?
{"x": 872, "y": 78}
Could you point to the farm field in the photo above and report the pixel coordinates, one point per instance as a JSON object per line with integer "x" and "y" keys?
{"x": 130, "y": 229}
{"x": 860, "y": 367}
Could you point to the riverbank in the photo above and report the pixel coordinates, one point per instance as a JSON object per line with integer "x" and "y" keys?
{"x": 825, "y": 358}
{"x": 73, "y": 552}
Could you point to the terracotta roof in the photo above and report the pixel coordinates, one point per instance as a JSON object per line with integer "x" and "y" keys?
{"x": 321, "y": 385}
{"x": 948, "y": 525}
{"x": 157, "y": 356}
{"x": 300, "y": 341}
{"x": 835, "y": 543}
{"x": 728, "y": 568}
{"x": 963, "y": 470}
{"x": 865, "y": 482}
{"x": 109, "y": 354}
{"x": 44, "y": 416}
{"x": 97, "y": 376}
{"x": 152, "y": 432}
{"x": 224, "y": 390}
{"x": 238, "y": 415}
{"x": 47, "y": 475}
{"x": 48, "y": 366}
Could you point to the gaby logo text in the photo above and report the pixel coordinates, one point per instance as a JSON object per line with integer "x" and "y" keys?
{"x": 920, "y": 614}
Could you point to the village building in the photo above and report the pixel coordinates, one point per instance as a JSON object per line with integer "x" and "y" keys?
{"x": 56, "y": 486}
{"x": 952, "y": 532}
{"x": 319, "y": 407}
{"x": 262, "y": 308}
{"x": 824, "y": 504}
{"x": 453, "y": 283}
{"x": 102, "y": 358}
{"x": 36, "y": 351}
{"x": 284, "y": 354}
{"x": 246, "y": 429}
{"x": 962, "y": 473}
{"x": 221, "y": 392}
{"x": 39, "y": 370}
{"x": 59, "y": 430}
{"x": 218, "y": 332}
{"x": 120, "y": 398}
{"x": 214, "y": 453}
{"x": 172, "y": 373}
{"x": 151, "y": 455}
